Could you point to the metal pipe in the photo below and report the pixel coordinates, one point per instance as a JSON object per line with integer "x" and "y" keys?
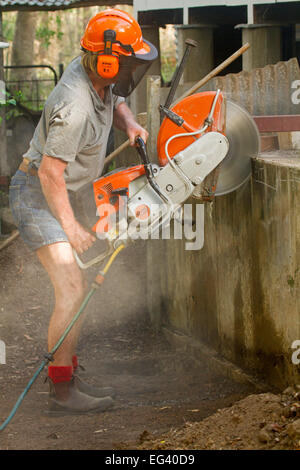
{"x": 179, "y": 71}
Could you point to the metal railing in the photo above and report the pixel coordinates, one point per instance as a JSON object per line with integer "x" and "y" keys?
{"x": 34, "y": 89}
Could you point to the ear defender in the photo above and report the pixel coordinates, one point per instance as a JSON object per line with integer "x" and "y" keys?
{"x": 108, "y": 66}
{"x": 108, "y": 63}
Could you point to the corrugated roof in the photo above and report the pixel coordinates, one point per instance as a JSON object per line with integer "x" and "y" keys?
{"x": 31, "y": 3}
{"x": 265, "y": 91}
{"x": 6, "y": 5}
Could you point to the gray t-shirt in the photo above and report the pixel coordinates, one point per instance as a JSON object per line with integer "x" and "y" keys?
{"x": 75, "y": 126}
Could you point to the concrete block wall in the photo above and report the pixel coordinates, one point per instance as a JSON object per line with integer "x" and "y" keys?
{"x": 240, "y": 294}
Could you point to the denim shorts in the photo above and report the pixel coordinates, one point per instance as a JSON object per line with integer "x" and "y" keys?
{"x": 31, "y": 213}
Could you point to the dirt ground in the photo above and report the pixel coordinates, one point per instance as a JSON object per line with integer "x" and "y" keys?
{"x": 163, "y": 400}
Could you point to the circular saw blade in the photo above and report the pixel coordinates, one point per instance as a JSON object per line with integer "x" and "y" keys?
{"x": 244, "y": 143}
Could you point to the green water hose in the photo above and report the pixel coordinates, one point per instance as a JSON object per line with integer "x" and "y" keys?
{"x": 49, "y": 356}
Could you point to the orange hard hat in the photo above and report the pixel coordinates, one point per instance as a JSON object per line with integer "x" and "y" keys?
{"x": 128, "y": 32}
{"x": 123, "y": 55}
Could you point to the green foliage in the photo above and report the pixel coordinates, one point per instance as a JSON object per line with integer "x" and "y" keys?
{"x": 8, "y": 25}
{"x": 168, "y": 67}
{"x": 111, "y": 167}
{"x": 59, "y": 33}
{"x": 45, "y": 34}
{"x": 167, "y": 52}
{"x": 11, "y": 100}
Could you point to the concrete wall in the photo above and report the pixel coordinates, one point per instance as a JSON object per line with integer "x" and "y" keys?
{"x": 240, "y": 293}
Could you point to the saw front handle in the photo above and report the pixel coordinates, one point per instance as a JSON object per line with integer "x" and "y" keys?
{"x": 98, "y": 259}
{"x": 142, "y": 151}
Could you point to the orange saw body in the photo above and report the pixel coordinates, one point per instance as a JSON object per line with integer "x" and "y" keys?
{"x": 194, "y": 110}
{"x": 204, "y": 149}
{"x": 110, "y": 190}
{"x": 110, "y": 193}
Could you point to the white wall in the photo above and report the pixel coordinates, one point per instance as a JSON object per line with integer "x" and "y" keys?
{"x": 144, "y": 5}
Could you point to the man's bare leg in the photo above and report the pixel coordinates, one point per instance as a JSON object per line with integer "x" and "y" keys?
{"x": 69, "y": 288}
{"x": 66, "y": 394}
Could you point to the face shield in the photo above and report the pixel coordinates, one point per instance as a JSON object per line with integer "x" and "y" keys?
{"x": 132, "y": 69}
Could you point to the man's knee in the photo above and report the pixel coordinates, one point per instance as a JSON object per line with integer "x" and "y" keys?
{"x": 72, "y": 288}
{"x": 66, "y": 276}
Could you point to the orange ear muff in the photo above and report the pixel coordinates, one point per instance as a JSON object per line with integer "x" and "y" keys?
{"x": 107, "y": 66}
{"x": 108, "y": 62}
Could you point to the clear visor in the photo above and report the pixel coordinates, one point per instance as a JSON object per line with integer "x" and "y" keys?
{"x": 132, "y": 69}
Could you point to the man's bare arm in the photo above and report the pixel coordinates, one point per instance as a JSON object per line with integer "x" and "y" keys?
{"x": 51, "y": 174}
{"x": 125, "y": 121}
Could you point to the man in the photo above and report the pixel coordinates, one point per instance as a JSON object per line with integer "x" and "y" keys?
{"x": 68, "y": 151}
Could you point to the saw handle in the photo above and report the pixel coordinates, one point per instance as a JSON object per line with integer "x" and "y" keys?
{"x": 142, "y": 151}
{"x": 141, "y": 148}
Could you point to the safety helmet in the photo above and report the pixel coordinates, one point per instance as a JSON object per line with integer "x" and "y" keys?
{"x": 116, "y": 37}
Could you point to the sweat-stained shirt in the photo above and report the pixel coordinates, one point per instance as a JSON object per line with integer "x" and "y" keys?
{"x": 75, "y": 126}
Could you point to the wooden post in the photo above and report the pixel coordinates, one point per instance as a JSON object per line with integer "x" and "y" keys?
{"x": 4, "y": 169}
{"x": 153, "y": 117}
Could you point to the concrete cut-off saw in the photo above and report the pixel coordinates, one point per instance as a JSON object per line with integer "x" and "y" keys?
{"x": 204, "y": 149}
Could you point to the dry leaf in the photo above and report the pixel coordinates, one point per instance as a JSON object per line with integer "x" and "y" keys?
{"x": 28, "y": 337}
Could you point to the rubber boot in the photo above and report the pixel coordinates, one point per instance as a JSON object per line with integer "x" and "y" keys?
{"x": 84, "y": 387}
{"x": 66, "y": 399}
{"x": 97, "y": 392}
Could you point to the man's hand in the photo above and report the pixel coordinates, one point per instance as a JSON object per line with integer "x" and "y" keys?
{"x": 125, "y": 121}
{"x": 79, "y": 238}
{"x": 134, "y": 131}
